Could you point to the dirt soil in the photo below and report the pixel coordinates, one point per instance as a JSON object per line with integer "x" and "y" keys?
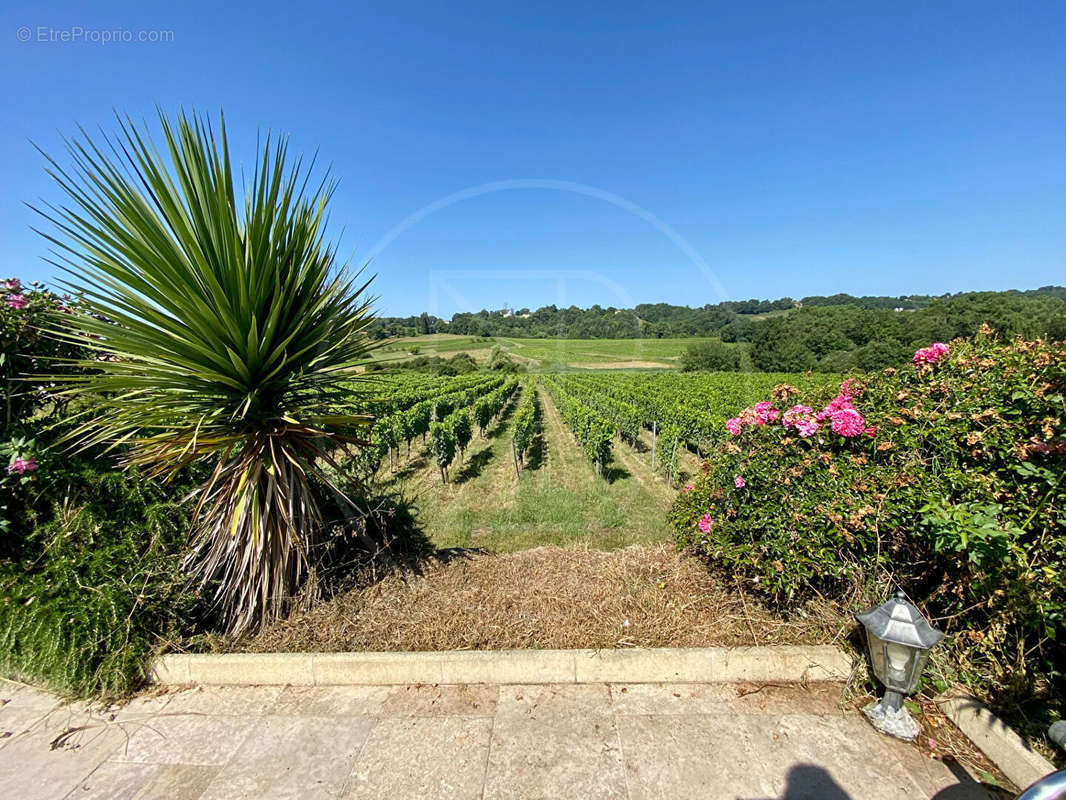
{"x": 547, "y": 597}
{"x": 620, "y": 365}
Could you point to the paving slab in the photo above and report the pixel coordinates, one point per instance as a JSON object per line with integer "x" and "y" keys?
{"x": 533, "y": 701}
{"x": 331, "y": 701}
{"x": 483, "y": 742}
{"x": 549, "y": 752}
{"x": 21, "y": 708}
{"x": 292, "y": 757}
{"x": 187, "y": 738}
{"x": 229, "y": 701}
{"x": 425, "y": 700}
{"x": 36, "y": 763}
{"x": 441, "y": 757}
{"x": 114, "y": 780}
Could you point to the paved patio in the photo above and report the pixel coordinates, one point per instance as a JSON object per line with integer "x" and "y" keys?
{"x": 493, "y": 742}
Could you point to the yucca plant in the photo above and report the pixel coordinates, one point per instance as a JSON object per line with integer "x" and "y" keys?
{"x": 227, "y": 333}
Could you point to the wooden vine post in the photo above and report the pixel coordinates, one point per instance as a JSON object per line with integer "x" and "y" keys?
{"x": 654, "y": 437}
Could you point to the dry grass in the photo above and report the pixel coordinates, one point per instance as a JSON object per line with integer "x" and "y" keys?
{"x": 548, "y": 597}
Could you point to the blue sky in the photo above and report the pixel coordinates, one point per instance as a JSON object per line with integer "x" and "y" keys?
{"x": 603, "y": 153}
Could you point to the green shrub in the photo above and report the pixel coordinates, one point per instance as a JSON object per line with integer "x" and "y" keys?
{"x": 951, "y": 487}
{"x": 715, "y": 356}
{"x": 90, "y": 557}
{"x": 96, "y": 585}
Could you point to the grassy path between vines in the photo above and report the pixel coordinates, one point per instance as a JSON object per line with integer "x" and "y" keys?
{"x": 558, "y": 500}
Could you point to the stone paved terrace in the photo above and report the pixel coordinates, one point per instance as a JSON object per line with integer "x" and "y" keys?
{"x": 552, "y": 741}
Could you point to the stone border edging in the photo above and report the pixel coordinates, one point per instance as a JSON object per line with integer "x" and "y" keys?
{"x": 1003, "y": 746}
{"x": 786, "y": 664}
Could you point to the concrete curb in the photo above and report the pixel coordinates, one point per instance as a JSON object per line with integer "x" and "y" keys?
{"x": 1005, "y": 748}
{"x": 665, "y": 665}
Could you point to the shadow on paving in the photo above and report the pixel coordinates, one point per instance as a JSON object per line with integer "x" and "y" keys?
{"x": 811, "y": 782}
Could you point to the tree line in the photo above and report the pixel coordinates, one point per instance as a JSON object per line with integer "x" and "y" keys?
{"x": 827, "y": 333}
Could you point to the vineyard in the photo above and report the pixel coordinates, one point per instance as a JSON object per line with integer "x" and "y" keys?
{"x": 505, "y": 462}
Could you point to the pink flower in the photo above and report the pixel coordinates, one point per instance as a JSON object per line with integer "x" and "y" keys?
{"x": 13, "y": 285}
{"x": 931, "y": 354}
{"x": 689, "y": 487}
{"x": 739, "y": 482}
{"x": 765, "y": 412}
{"x": 802, "y": 419}
{"x": 839, "y": 403}
{"x": 733, "y": 426}
{"x": 706, "y": 523}
{"x": 22, "y": 465}
{"x": 16, "y": 301}
{"x": 847, "y": 422}
{"x": 871, "y": 431}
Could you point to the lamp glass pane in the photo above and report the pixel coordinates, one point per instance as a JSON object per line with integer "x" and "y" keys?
{"x": 876, "y": 646}
{"x": 899, "y": 663}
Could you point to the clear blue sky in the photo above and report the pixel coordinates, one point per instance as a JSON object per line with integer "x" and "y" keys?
{"x": 614, "y": 152}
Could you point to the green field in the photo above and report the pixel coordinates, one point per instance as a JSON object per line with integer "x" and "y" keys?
{"x": 547, "y": 354}
{"x": 556, "y": 500}
{"x": 558, "y": 497}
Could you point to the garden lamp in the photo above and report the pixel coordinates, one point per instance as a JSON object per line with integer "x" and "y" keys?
{"x": 899, "y": 640}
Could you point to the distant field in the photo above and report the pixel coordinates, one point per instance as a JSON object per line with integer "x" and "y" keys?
{"x": 548, "y": 354}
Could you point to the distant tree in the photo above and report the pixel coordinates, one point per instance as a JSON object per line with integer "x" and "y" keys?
{"x": 712, "y": 356}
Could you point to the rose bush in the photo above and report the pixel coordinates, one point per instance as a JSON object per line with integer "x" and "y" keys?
{"x": 944, "y": 478}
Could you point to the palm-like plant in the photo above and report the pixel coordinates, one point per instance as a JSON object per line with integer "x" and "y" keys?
{"x": 228, "y": 334}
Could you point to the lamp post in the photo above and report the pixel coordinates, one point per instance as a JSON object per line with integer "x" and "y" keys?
{"x": 899, "y": 640}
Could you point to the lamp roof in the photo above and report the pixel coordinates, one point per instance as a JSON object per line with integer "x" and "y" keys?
{"x": 898, "y": 621}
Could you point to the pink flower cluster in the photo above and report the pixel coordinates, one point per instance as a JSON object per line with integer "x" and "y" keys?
{"x": 15, "y": 299}
{"x": 802, "y": 418}
{"x": 706, "y": 523}
{"x": 932, "y": 353}
{"x": 762, "y": 413}
{"x": 22, "y": 466}
{"x": 843, "y": 418}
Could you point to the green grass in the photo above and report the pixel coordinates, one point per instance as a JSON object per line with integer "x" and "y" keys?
{"x": 549, "y": 354}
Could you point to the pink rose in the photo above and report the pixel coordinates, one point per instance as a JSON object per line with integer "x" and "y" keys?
{"x": 13, "y": 285}
{"x": 689, "y": 487}
{"x": 733, "y": 426}
{"x": 16, "y": 301}
{"x": 739, "y": 482}
{"x": 706, "y": 523}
